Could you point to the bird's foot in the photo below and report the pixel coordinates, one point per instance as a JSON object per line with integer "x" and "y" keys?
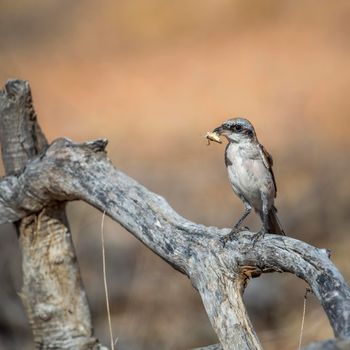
{"x": 259, "y": 235}
{"x": 232, "y": 235}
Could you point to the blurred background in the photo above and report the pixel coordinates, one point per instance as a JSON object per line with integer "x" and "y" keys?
{"x": 154, "y": 76}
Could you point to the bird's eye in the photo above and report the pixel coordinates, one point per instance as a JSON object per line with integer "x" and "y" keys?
{"x": 237, "y": 127}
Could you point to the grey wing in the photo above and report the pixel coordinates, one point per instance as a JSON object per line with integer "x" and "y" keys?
{"x": 268, "y": 162}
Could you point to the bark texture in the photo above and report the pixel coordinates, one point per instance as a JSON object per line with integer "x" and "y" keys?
{"x": 67, "y": 171}
{"x": 52, "y": 293}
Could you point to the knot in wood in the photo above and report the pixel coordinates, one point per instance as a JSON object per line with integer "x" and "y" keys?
{"x": 45, "y": 311}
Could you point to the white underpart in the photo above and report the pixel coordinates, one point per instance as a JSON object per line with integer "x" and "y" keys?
{"x": 248, "y": 175}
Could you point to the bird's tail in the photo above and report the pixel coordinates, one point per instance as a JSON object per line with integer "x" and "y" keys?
{"x": 273, "y": 222}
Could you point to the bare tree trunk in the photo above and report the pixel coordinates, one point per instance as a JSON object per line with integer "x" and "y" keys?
{"x": 67, "y": 171}
{"x": 52, "y": 292}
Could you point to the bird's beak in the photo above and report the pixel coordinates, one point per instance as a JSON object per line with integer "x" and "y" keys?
{"x": 219, "y": 130}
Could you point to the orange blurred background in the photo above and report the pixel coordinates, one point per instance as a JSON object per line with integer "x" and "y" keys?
{"x": 153, "y": 77}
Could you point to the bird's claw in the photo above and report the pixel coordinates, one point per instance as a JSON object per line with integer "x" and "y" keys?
{"x": 232, "y": 235}
{"x": 259, "y": 235}
{"x": 226, "y": 238}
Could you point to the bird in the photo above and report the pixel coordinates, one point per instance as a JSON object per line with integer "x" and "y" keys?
{"x": 249, "y": 168}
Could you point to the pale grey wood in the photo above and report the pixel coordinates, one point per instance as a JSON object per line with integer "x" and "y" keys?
{"x": 332, "y": 344}
{"x": 210, "y": 347}
{"x": 67, "y": 171}
{"x": 52, "y": 292}
{"x": 20, "y": 135}
{"x": 70, "y": 171}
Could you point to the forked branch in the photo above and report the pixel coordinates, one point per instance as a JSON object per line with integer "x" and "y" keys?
{"x": 68, "y": 171}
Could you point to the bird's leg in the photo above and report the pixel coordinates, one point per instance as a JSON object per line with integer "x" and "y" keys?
{"x": 247, "y": 211}
{"x": 265, "y": 222}
{"x": 236, "y": 228}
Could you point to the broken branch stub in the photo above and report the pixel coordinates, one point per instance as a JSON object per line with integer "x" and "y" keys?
{"x": 52, "y": 292}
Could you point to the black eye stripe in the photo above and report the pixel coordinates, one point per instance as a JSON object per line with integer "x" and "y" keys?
{"x": 236, "y": 127}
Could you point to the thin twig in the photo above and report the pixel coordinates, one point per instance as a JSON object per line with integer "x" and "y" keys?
{"x": 303, "y": 318}
{"x": 105, "y": 281}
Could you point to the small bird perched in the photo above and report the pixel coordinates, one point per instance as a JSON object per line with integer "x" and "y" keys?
{"x": 249, "y": 168}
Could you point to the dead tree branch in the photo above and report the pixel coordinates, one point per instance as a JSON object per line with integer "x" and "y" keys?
{"x": 67, "y": 171}
{"x": 52, "y": 292}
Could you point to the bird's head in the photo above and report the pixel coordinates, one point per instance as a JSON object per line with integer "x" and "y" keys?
{"x": 236, "y": 130}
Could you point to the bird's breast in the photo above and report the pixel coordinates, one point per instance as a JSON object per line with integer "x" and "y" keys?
{"x": 248, "y": 175}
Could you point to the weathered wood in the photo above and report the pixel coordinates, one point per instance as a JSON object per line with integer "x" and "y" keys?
{"x": 210, "y": 347}
{"x": 67, "y": 171}
{"x": 52, "y": 292}
{"x": 332, "y": 344}
{"x": 20, "y": 134}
